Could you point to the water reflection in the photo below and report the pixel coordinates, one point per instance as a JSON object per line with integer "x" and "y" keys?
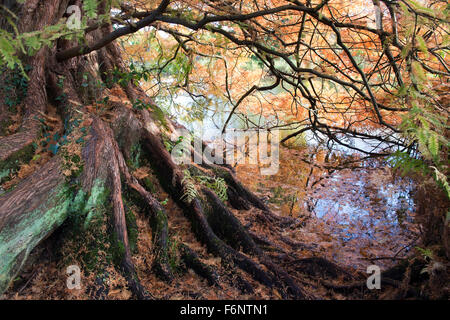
{"x": 355, "y": 210}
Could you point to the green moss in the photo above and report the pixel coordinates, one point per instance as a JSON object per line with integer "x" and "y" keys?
{"x": 86, "y": 236}
{"x": 92, "y": 230}
{"x": 79, "y": 201}
{"x": 117, "y": 249}
{"x": 149, "y": 185}
{"x": 94, "y": 208}
{"x": 4, "y": 127}
{"x": 135, "y": 155}
{"x": 13, "y": 162}
{"x": 132, "y": 229}
{"x": 173, "y": 255}
{"x": 157, "y": 113}
{"x": 160, "y": 222}
{"x": 18, "y": 240}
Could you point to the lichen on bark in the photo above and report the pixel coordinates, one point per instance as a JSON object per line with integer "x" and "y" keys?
{"x": 17, "y": 240}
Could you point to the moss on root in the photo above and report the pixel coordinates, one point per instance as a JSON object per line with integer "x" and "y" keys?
{"x": 86, "y": 237}
{"x": 12, "y": 163}
{"x": 133, "y": 161}
{"x": 17, "y": 240}
{"x": 4, "y": 124}
{"x": 132, "y": 230}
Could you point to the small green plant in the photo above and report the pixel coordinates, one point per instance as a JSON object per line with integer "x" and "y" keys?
{"x": 427, "y": 253}
{"x": 441, "y": 180}
{"x": 170, "y": 145}
{"x": 406, "y": 163}
{"x": 429, "y": 257}
{"x": 215, "y": 183}
{"x": 424, "y": 128}
{"x": 189, "y": 190}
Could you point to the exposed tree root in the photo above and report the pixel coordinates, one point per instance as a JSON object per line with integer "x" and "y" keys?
{"x": 13, "y": 144}
{"x": 192, "y": 261}
{"x": 104, "y": 151}
{"x": 158, "y": 217}
{"x": 227, "y": 226}
{"x": 28, "y": 214}
{"x": 237, "y": 201}
{"x": 398, "y": 277}
{"x": 317, "y": 266}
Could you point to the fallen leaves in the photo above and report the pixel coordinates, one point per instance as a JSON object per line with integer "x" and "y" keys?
{"x": 351, "y": 211}
{"x": 141, "y": 173}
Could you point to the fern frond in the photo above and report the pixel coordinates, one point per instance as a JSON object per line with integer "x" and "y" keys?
{"x": 220, "y": 187}
{"x": 189, "y": 190}
{"x": 90, "y": 8}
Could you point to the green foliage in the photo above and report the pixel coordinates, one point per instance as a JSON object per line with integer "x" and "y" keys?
{"x": 90, "y": 8}
{"x": 189, "y": 190}
{"x": 405, "y": 163}
{"x": 8, "y": 50}
{"x": 170, "y": 145}
{"x": 13, "y": 44}
{"x": 424, "y": 128}
{"x": 134, "y": 75}
{"x": 441, "y": 180}
{"x": 132, "y": 229}
{"x": 179, "y": 68}
{"x": 422, "y": 44}
{"x": 427, "y": 253}
{"x": 215, "y": 183}
{"x": 173, "y": 257}
{"x": 14, "y": 87}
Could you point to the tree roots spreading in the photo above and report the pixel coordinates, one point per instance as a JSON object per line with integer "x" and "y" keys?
{"x": 103, "y": 180}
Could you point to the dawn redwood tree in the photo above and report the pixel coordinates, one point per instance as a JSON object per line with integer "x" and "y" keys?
{"x": 49, "y": 65}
